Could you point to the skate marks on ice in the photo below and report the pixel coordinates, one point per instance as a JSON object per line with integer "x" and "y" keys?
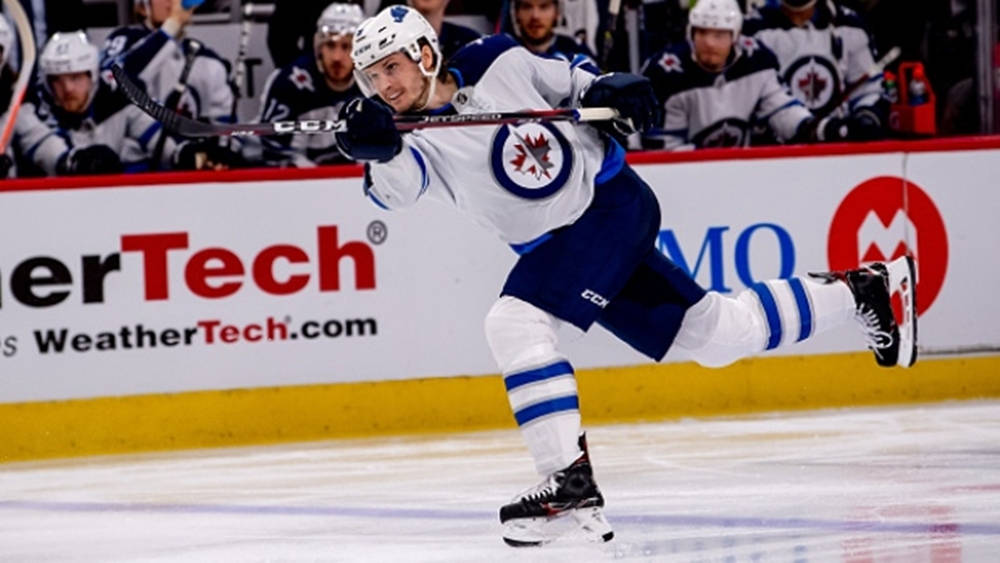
{"x": 914, "y": 483}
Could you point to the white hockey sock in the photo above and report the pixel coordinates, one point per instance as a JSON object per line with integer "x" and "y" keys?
{"x": 718, "y": 330}
{"x": 540, "y": 382}
{"x": 546, "y": 406}
{"x": 797, "y": 308}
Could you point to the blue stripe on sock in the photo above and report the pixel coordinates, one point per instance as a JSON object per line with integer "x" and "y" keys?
{"x": 526, "y": 415}
{"x": 515, "y": 380}
{"x": 771, "y": 312}
{"x": 805, "y": 311}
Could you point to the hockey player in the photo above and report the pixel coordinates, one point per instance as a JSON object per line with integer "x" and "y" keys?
{"x": 716, "y": 84}
{"x": 821, "y": 48}
{"x": 534, "y": 23}
{"x": 37, "y": 146}
{"x": 108, "y": 134}
{"x": 584, "y": 225}
{"x": 187, "y": 76}
{"x": 314, "y": 86}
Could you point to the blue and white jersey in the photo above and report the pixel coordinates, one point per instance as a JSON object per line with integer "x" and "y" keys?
{"x": 299, "y": 91}
{"x": 158, "y": 60}
{"x": 717, "y": 109}
{"x": 819, "y": 59}
{"x": 518, "y": 181}
{"x": 110, "y": 120}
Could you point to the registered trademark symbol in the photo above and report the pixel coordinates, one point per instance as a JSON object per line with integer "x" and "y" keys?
{"x": 377, "y": 232}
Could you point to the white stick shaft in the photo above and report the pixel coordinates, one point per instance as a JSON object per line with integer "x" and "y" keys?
{"x": 597, "y": 114}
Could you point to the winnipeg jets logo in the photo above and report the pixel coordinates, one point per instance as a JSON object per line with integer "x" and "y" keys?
{"x": 532, "y": 161}
{"x": 533, "y": 156}
{"x": 812, "y": 86}
{"x": 671, "y": 63}
{"x": 301, "y": 79}
{"x": 729, "y": 132}
{"x": 814, "y": 81}
{"x": 749, "y": 45}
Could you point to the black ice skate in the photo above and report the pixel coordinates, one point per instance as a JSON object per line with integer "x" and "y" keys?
{"x": 566, "y": 500}
{"x": 894, "y": 344}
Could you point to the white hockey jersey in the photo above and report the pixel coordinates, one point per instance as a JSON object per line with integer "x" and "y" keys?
{"x": 113, "y": 121}
{"x": 518, "y": 181}
{"x": 820, "y": 59}
{"x": 159, "y": 60}
{"x": 717, "y": 109}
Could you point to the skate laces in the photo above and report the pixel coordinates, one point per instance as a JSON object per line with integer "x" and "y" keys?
{"x": 876, "y": 338}
{"x": 542, "y": 491}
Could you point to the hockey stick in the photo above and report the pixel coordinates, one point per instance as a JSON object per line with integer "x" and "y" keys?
{"x": 186, "y": 127}
{"x": 27, "y": 41}
{"x": 877, "y": 69}
{"x": 239, "y": 65}
{"x": 175, "y": 97}
{"x": 614, "y": 8}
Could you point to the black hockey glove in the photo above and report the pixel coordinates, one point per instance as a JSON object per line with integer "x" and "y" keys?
{"x": 371, "y": 133}
{"x": 864, "y": 125}
{"x": 6, "y": 165}
{"x": 206, "y": 154}
{"x": 826, "y": 130}
{"x": 93, "y": 159}
{"x": 631, "y": 95}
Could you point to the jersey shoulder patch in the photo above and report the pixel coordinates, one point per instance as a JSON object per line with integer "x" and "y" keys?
{"x": 472, "y": 61}
{"x": 300, "y": 87}
{"x": 668, "y": 70}
{"x": 754, "y": 57}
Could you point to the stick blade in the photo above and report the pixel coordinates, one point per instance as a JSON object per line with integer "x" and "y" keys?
{"x": 170, "y": 120}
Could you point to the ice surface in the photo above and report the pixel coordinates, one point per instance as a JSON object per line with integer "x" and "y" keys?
{"x": 896, "y": 484}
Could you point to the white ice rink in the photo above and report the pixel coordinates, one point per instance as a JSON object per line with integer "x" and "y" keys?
{"x": 871, "y": 485}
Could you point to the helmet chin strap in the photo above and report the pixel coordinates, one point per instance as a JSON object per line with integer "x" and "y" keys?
{"x": 431, "y": 87}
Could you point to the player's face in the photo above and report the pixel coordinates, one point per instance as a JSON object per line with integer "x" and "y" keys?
{"x": 335, "y": 58}
{"x": 71, "y": 91}
{"x": 160, "y": 11}
{"x": 428, "y": 6}
{"x": 536, "y": 18}
{"x": 712, "y": 47}
{"x": 398, "y": 81}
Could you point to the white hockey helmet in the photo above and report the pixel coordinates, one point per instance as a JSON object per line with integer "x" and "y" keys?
{"x": 336, "y": 20}
{"x": 69, "y": 52}
{"x": 715, "y": 14}
{"x": 6, "y": 39}
{"x": 396, "y": 28}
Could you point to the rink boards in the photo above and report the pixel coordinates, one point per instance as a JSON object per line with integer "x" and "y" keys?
{"x": 260, "y": 306}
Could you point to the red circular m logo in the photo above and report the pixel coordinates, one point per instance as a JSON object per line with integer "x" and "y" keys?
{"x": 885, "y": 218}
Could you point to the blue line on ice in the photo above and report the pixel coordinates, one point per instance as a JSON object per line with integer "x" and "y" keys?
{"x": 671, "y": 520}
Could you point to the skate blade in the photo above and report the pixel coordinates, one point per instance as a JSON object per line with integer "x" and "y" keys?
{"x": 903, "y": 278}
{"x": 534, "y": 532}
{"x": 593, "y": 524}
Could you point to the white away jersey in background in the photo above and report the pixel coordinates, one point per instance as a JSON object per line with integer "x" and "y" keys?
{"x": 717, "y": 109}
{"x": 518, "y": 181}
{"x": 819, "y": 59}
